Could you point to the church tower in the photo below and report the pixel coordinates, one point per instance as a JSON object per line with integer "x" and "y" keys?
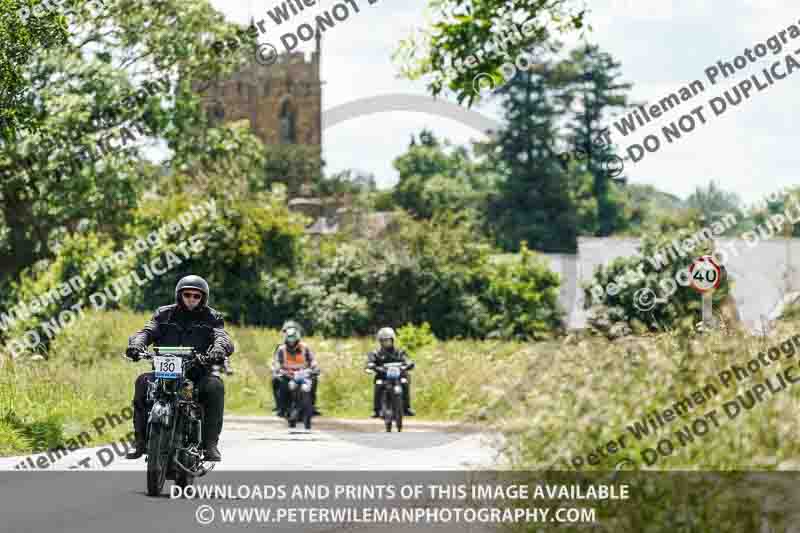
{"x": 282, "y": 101}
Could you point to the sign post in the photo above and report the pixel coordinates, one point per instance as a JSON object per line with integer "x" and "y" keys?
{"x": 705, "y": 275}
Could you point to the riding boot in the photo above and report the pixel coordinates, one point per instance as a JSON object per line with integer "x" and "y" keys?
{"x": 139, "y": 430}
{"x": 139, "y": 416}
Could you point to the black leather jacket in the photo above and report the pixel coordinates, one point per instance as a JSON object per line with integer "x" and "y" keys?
{"x": 381, "y": 356}
{"x": 173, "y": 325}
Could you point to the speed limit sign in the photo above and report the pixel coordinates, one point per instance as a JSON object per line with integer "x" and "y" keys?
{"x": 705, "y": 274}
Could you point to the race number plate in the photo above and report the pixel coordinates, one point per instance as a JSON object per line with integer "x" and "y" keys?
{"x": 167, "y": 367}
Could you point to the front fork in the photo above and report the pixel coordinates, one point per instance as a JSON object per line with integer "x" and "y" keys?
{"x": 388, "y": 390}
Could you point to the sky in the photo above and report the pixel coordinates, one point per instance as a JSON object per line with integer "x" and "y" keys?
{"x": 663, "y": 45}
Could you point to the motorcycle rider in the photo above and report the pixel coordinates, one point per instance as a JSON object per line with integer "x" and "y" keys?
{"x": 280, "y": 407}
{"x": 293, "y": 355}
{"x": 388, "y": 353}
{"x": 187, "y": 322}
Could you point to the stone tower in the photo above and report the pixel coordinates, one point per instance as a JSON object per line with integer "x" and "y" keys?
{"x": 282, "y": 101}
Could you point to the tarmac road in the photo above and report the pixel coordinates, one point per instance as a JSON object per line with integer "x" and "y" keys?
{"x": 257, "y": 451}
{"x": 261, "y": 443}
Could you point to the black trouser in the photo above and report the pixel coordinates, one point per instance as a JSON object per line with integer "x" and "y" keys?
{"x": 280, "y": 392}
{"x": 276, "y": 392}
{"x": 376, "y": 395}
{"x": 211, "y": 395}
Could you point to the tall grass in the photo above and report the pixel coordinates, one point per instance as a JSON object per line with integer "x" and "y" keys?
{"x": 590, "y": 390}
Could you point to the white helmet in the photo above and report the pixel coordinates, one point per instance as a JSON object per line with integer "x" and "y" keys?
{"x": 291, "y": 335}
{"x": 386, "y": 333}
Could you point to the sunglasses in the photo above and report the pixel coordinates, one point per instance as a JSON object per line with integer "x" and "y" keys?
{"x": 192, "y": 295}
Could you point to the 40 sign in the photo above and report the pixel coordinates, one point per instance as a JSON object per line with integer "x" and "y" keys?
{"x": 705, "y": 274}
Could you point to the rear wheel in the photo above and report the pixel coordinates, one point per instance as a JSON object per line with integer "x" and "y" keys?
{"x": 157, "y": 457}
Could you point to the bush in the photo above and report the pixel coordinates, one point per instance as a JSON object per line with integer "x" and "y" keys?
{"x": 40, "y": 435}
{"x": 436, "y": 272}
{"x": 244, "y": 241}
{"x": 522, "y": 298}
{"x": 412, "y": 338}
{"x": 69, "y": 280}
{"x": 618, "y": 313}
{"x": 232, "y": 250}
{"x": 262, "y": 271}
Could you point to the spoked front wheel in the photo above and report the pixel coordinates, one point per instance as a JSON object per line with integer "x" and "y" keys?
{"x": 157, "y": 457}
{"x": 307, "y": 410}
{"x": 291, "y": 416}
{"x": 387, "y": 411}
{"x": 397, "y": 404}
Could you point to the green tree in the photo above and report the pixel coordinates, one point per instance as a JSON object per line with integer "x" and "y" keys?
{"x": 23, "y": 36}
{"x": 464, "y": 28}
{"x": 587, "y": 84}
{"x": 294, "y": 165}
{"x": 534, "y": 202}
{"x": 347, "y": 182}
{"x": 127, "y": 67}
{"x": 713, "y": 202}
{"x": 436, "y": 177}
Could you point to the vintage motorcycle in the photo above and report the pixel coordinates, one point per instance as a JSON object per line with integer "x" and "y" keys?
{"x": 174, "y": 425}
{"x": 391, "y": 377}
{"x": 299, "y": 400}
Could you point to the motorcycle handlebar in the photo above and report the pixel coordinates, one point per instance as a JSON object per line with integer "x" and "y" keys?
{"x": 148, "y": 355}
{"x": 287, "y": 372}
{"x": 403, "y": 368}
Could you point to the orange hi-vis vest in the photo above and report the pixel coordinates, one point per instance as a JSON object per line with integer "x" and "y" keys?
{"x": 294, "y": 360}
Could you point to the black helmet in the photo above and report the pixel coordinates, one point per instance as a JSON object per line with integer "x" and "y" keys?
{"x": 192, "y": 282}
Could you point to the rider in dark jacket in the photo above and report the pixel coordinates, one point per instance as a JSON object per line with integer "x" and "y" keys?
{"x": 388, "y": 353}
{"x": 187, "y": 322}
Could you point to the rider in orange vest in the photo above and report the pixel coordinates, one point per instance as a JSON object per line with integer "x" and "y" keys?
{"x": 294, "y": 355}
